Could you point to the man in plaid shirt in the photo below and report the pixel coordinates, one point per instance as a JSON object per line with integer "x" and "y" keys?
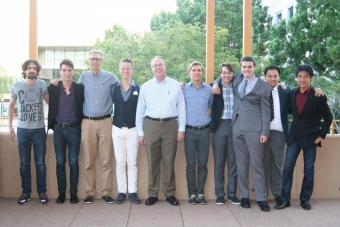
{"x": 222, "y": 137}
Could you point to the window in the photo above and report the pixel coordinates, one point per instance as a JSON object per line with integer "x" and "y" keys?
{"x": 278, "y": 17}
{"x": 290, "y": 12}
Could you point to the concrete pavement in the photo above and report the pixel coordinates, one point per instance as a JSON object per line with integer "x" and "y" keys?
{"x": 325, "y": 212}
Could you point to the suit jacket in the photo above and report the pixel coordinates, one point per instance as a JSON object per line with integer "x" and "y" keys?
{"x": 284, "y": 108}
{"x": 216, "y": 110}
{"x": 54, "y": 92}
{"x": 306, "y": 126}
{"x": 253, "y": 110}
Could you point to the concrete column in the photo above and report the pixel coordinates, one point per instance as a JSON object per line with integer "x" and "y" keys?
{"x": 247, "y": 27}
{"x": 210, "y": 41}
{"x": 33, "y": 30}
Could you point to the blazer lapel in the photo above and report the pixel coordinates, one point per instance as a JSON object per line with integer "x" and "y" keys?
{"x": 280, "y": 91}
{"x": 238, "y": 78}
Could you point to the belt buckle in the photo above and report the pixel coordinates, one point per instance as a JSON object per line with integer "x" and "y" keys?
{"x": 160, "y": 119}
{"x": 64, "y": 124}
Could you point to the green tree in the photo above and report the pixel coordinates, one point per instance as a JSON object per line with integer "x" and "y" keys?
{"x": 311, "y": 36}
{"x": 229, "y": 15}
{"x": 6, "y": 83}
{"x": 178, "y": 43}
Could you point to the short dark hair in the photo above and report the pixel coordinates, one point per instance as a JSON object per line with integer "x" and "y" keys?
{"x": 66, "y": 62}
{"x": 248, "y": 58}
{"x": 305, "y": 67}
{"x": 27, "y": 63}
{"x": 271, "y": 67}
{"x": 195, "y": 63}
{"x": 128, "y": 60}
{"x": 228, "y": 65}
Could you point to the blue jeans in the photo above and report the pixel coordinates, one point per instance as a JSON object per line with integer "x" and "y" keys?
{"x": 70, "y": 137}
{"x": 27, "y": 137}
{"x": 309, "y": 155}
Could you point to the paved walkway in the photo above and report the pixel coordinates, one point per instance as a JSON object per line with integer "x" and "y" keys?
{"x": 325, "y": 212}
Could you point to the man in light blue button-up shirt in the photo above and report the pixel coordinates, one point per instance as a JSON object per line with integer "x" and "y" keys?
{"x": 160, "y": 122}
{"x": 96, "y": 126}
{"x": 198, "y": 101}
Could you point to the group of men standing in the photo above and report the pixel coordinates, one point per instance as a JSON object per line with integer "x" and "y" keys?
{"x": 248, "y": 119}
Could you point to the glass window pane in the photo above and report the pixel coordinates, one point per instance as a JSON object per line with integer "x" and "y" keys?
{"x": 49, "y": 57}
{"x": 59, "y": 55}
{"x": 69, "y": 55}
{"x": 79, "y": 58}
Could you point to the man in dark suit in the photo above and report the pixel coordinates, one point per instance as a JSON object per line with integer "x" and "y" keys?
{"x": 222, "y": 137}
{"x": 65, "y": 114}
{"x": 274, "y": 148}
{"x": 250, "y": 122}
{"x": 305, "y": 134}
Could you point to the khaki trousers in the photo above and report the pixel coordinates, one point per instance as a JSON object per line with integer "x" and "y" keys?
{"x": 161, "y": 145}
{"x": 92, "y": 132}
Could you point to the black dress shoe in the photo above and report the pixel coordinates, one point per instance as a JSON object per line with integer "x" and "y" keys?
{"x": 172, "y": 200}
{"x": 282, "y": 204}
{"x": 74, "y": 198}
{"x": 151, "y": 200}
{"x": 277, "y": 199}
{"x": 264, "y": 206}
{"x": 61, "y": 198}
{"x": 245, "y": 203}
{"x": 305, "y": 205}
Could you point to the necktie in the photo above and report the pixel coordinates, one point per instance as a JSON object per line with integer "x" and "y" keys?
{"x": 271, "y": 105}
{"x": 243, "y": 88}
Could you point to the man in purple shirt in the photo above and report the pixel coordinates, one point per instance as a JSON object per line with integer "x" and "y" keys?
{"x": 64, "y": 117}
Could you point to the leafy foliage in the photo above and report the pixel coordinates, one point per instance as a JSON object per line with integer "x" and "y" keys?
{"x": 178, "y": 43}
{"x": 228, "y": 15}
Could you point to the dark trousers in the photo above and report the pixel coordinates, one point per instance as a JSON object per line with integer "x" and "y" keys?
{"x": 67, "y": 137}
{"x": 37, "y": 138}
{"x": 223, "y": 149}
{"x": 309, "y": 155}
{"x": 161, "y": 146}
{"x": 196, "y": 144}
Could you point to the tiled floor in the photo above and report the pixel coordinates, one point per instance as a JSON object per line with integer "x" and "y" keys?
{"x": 325, "y": 212}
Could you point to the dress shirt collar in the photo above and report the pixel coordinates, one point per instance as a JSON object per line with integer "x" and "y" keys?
{"x": 250, "y": 79}
{"x": 100, "y": 73}
{"x": 275, "y": 88}
{"x": 202, "y": 85}
{"x": 230, "y": 86}
{"x": 165, "y": 79}
{"x": 307, "y": 91}
{"x": 132, "y": 83}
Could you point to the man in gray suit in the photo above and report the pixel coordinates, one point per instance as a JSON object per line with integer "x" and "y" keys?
{"x": 250, "y": 122}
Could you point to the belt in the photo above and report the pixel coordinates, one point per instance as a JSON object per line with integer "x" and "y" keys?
{"x": 198, "y": 128}
{"x": 67, "y": 124}
{"x": 161, "y": 119}
{"x": 97, "y": 118}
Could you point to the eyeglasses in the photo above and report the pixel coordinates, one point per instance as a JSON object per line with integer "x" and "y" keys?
{"x": 95, "y": 59}
{"x": 157, "y": 65}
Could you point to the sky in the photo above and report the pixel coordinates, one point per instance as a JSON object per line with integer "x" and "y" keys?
{"x": 69, "y": 23}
